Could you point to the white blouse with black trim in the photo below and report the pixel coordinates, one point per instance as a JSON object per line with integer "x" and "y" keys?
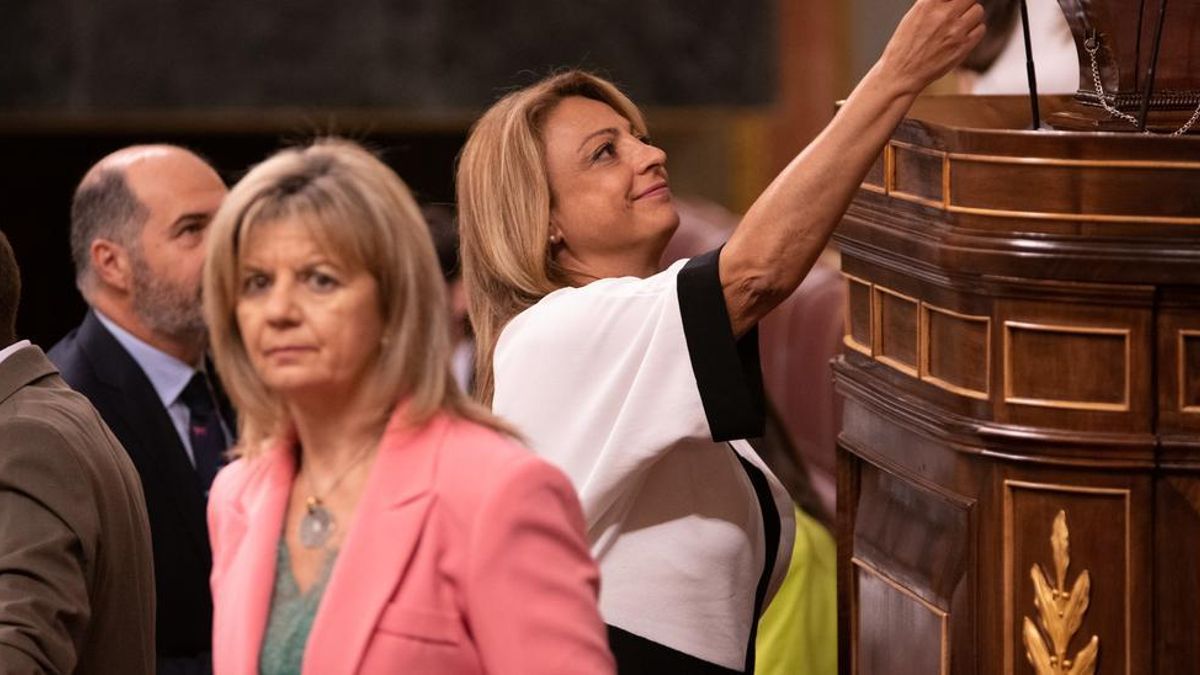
{"x": 638, "y": 390}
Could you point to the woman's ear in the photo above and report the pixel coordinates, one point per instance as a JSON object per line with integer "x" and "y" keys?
{"x": 111, "y": 264}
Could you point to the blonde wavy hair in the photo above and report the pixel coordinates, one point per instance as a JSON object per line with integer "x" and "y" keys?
{"x": 504, "y": 206}
{"x": 365, "y": 216}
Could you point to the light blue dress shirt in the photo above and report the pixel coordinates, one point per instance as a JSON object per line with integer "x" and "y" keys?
{"x": 167, "y": 374}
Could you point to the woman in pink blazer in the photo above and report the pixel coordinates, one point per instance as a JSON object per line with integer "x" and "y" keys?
{"x": 376, "y": 521}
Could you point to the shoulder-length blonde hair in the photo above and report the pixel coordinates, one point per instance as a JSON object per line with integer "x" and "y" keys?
{"x": 364, "y": 215}
{"x": 504, "y": 206}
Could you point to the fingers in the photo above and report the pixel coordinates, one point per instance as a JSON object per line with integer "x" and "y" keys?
{"x": 974, "y": 14}
{"x": 969, "y": 22}
{"x": 976, "y": 35}
{"x": 960, "y": 7}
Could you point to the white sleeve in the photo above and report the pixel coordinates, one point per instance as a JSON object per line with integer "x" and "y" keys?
{"x": 605, "y": 378}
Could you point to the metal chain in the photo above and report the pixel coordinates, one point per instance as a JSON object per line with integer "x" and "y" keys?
{"x": 1188, "y": 124}
{"x": 1092, "y": 45}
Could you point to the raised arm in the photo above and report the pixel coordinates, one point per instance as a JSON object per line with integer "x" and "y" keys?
{"x": 786, "y": 228}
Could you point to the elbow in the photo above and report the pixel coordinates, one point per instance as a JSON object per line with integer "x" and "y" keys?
{"x": 755, "y": 294}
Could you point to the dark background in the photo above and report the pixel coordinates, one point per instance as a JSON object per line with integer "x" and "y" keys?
{"x": 414, "y": 54}
{"x": 236, "y": 79}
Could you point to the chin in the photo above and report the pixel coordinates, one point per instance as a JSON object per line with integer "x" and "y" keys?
{"x": 666, "y": 229}
{"x": 290, "y": 385}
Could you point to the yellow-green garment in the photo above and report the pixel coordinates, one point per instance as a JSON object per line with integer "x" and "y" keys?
{"x": 798, "y": 633}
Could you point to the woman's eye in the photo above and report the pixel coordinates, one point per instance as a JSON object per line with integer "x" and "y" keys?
{"x": 254, "y": 282}
{"x": 606, "y": 150}
{"x": 320, "y": 281}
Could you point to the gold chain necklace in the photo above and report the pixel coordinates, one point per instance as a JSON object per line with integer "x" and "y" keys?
{"x": 318, "y": 523}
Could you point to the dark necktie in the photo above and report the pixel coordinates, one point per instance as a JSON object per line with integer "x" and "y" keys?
{"x": 204, "y": 428}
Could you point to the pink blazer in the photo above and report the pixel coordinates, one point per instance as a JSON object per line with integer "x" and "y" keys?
{"x": 466, "y": 555}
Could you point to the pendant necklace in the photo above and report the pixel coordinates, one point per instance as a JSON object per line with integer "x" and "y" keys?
{"x": 318, "y": 523}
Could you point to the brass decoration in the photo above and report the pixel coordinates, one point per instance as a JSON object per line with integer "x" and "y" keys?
{"x": 1060, "y": 613}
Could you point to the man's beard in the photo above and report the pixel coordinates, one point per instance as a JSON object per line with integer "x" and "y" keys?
{"x": 166, "y": 308}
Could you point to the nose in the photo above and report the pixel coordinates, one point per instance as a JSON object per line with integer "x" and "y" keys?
{"x": 280, "y": 306}
{"x": 651, "y": 157}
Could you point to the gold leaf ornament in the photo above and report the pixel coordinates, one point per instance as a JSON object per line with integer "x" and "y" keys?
{"x": 1060, "y": 613}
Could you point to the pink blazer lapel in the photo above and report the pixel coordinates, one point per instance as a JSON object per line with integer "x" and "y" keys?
{"x": 250, "y": 577}
{"x": 378, "y": 547}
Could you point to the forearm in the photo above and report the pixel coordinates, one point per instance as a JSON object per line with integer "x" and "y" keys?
{"x": 784, "y": 232}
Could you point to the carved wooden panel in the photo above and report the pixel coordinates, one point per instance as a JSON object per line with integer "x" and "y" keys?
{"x": 1177, "y": 519}
{"x": 1102, "y": 190}
{"x": 956, "y": 351}
{"x": 897, "y": 325}
{"x": 901, "y": 633}
{"x": 1178, "y": 357}
{"x": 1188, "y": 370}
{"x": 1043, "y": 366}
{"x": 1100, "y": 543}
{"x": 859, "y": 315}
{"x": 916, "y": 534}
{"x": 917, "y": 174}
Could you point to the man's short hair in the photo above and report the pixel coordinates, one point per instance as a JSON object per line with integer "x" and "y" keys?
{"x": 10, "y": 293}
{"x": 103, "y": 208}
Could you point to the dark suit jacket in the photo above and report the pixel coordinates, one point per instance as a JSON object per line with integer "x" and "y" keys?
{"x": 96, "y": 365}
{"x": 76, "y": 574}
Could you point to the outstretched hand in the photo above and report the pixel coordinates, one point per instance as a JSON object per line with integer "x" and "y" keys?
{"x": 933, "y": 37}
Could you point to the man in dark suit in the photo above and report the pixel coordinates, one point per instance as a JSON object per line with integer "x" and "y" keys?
{"x": 76, "y": 574}
{"x": 138, "y": 225}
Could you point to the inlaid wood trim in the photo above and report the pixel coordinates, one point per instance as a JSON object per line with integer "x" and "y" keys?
{"x": 877, "y": 334}
{"x": 1167, "y": 165}
{"x": 848, "y": 334}
{"x": 942, "y": 615}
{"x": 1067, "y": 404}
{"x": 946, "y": 182}
{"x": 1181, "y": 369}
{"x": 926, "y": 345}
{"x": 889, "y": 168}
{"x": 1009, "y": 581}
{"x": 916, "y": 199}
{"x": 946, "y": 203}
{"x": 1081, "y": 217}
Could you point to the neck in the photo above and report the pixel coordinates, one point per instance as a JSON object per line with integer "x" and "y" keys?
{"x": 334, "y": 430}
{"x": 189, "y": 350}
{"x": 583, "y": 269}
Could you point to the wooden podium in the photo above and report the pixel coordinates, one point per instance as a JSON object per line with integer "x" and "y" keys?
{"x": 1019, "y": 467}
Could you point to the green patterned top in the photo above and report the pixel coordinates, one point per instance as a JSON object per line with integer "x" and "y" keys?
{"x": 292, "y": 614}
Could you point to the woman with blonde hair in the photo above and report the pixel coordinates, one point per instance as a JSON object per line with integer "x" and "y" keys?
{"x": 376, "y": 520}
{"x": 638, "y": 382}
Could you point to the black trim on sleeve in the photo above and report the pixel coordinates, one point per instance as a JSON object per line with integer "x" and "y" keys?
{"x": 728, "y": 372}
{"x": 636, "y": 655}
{"x": 772, "y": 530}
